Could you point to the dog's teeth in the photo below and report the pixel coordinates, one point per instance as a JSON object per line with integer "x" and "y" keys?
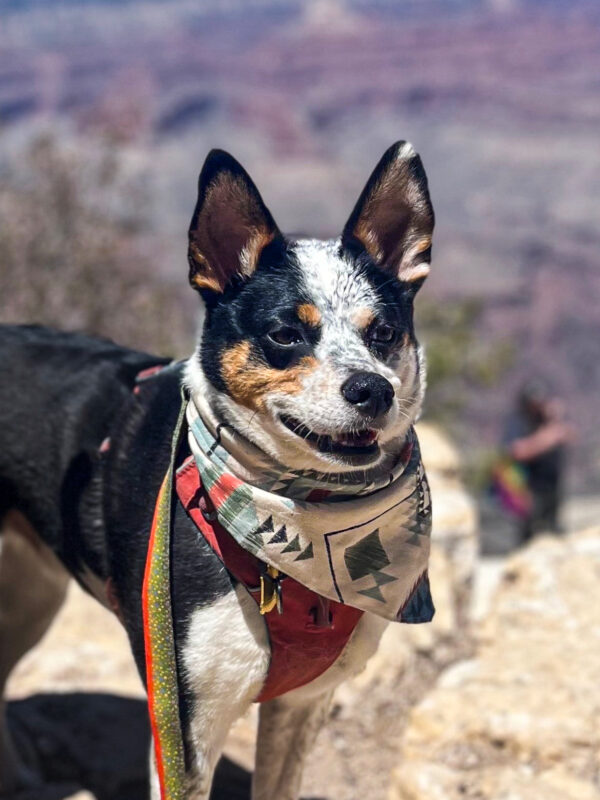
{"x": 362, "y": 438}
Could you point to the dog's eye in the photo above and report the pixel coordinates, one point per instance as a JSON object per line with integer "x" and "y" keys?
{"x": 286, "y": 336}
{"x": 383, "y": 334}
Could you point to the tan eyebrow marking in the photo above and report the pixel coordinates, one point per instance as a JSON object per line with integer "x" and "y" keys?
{"x": 362, "y": 317}
{"x": 309, "y": 314}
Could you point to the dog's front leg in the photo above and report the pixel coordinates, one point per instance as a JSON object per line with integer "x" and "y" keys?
{"x": 287, "y": 730}
{"x": 225, "y": 658}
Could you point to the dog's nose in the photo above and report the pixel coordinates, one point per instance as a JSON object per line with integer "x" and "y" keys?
{"x": 369, "y": 392}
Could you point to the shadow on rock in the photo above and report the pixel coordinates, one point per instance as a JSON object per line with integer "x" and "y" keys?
{"x": 98, "y": 743}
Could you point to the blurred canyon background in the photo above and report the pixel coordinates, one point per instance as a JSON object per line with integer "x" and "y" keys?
{"x": 107, "y": 110}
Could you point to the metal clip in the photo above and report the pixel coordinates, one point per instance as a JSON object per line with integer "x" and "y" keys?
{"x": 270, "y": 591}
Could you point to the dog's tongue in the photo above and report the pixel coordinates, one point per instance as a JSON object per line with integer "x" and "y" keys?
{"x": 360, "y": 439}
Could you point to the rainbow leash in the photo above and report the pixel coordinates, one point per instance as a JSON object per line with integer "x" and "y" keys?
{"x": 159, "y": 640}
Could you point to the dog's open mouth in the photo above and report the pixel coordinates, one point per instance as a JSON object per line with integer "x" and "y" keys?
{"x": 359, "y": 443}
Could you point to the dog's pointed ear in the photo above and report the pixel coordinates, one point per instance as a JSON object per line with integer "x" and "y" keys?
{"x": 393, "y": 218}
{"x": 230, "y": 227}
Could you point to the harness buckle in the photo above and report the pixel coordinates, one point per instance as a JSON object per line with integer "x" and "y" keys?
{"x": 270, "y": 591}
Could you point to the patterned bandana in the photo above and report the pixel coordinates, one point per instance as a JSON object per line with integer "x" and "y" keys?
{"x": 359, "y": 538}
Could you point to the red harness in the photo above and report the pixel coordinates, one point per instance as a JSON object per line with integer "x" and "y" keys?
{"x": 303, "y": 644}
{"x": 310, "y": 633}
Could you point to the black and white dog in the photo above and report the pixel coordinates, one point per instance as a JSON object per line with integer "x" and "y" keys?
{"x": 286, "y": 325}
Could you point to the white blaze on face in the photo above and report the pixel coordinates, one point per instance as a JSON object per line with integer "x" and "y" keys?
{"x": 346, "y": 302}
{"x": 338, "y": 291}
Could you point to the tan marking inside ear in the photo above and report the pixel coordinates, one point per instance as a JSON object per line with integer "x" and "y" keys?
{"x": 230, "y": 234}
{"x": 251, "y": 252}
{"x": 416, "y": 273}
{"x": 381, "y": 201}
{"x": 369, "y": 240}
{"x": 395, "y": 220}
{"x": 309, "y": 314}
{"x": 206, "y": 282}
{"x": 202, "y": 277}
{"x": 248, "y": 382}
{"x": 362, "y": 318}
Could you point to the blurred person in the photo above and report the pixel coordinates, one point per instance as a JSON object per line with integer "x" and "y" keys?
{"x": 530, "y": 480}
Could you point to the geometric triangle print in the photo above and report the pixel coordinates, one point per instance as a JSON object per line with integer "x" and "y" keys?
{"x": 293, "y": 545}
{"x": 381, "y": 578}
{"x": 307, "y": 553}
{"x": 365, "y": 556}
{"x": 375, "y": 593}
{"x": 419, "y": 607}
{"x": 280, "y": 537}
{"x": 266, "y": 527}
{"x": 282, "y": 483}
{"x": 414, "y": 539}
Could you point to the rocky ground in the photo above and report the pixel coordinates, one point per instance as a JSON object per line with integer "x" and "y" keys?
{"x": 519, "y": 719}
{"x": 496, "y": 699}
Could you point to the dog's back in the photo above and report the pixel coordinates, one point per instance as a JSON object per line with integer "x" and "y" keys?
{"x": 59, "y": 395}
